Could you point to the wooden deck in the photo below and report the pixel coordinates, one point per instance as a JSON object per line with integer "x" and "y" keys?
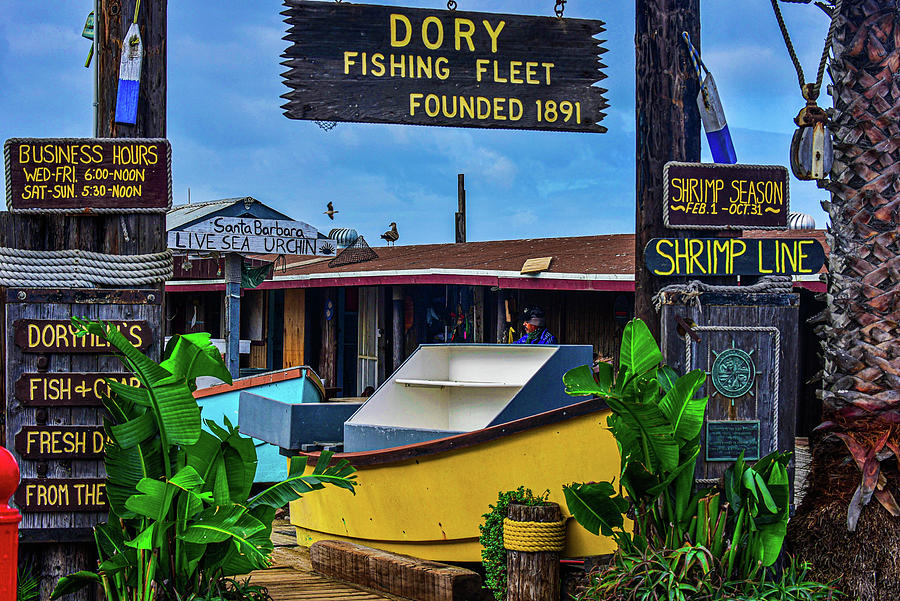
{"x": 291, "y": 577}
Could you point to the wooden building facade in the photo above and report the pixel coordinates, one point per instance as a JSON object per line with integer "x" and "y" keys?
{"x": 354, "y": 324}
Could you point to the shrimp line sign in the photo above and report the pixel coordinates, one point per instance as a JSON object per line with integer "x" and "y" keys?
{"x": 385, "y": 64}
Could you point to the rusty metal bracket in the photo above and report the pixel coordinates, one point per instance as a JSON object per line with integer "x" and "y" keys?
{"x": 686, "y": 327}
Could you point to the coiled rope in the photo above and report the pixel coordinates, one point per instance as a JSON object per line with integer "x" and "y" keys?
{"x": 690, "y": 292}
{"x": 81, "y": 269}
{"x": 534, "y": 537}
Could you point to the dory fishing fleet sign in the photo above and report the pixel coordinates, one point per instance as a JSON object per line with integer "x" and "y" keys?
{"x": 83, "y": 175}
{"x": 384, "y": 64}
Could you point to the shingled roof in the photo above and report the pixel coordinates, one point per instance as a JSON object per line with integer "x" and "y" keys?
{"x": 579, "y": 263}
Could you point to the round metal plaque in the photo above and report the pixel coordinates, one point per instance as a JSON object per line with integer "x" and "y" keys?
{"x": 733, "y": 373}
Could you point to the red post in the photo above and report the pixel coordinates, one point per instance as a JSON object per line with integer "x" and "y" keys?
{"x": 9, "y": 526}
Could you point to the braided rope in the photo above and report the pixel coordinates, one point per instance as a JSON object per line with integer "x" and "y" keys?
{"x": 776, "y": 373}
{"x": 534, "y": 537}
{"x": 793, "y": 53}
{"x": 691, "y": 291}
{"x": 82, "y": 269}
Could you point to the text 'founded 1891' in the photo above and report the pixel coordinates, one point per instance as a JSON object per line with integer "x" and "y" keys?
{"x": 381, "y": 64}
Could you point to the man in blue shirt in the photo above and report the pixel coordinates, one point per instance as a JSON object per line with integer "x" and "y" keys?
{"x": 535, "y": 330}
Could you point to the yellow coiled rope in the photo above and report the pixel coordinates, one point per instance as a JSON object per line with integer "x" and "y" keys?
{"x": 534, "y": 537}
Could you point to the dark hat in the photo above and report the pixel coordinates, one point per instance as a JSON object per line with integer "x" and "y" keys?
{"x": 534, "y": 316}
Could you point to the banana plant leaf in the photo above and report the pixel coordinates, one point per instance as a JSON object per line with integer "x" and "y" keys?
{"x": 596, "y": 506}
{"x": 74, "y": 583}
{"x": 297, "y": 484}
{"x": 667, "y": 377}
{"x": 193, "y": 355}
{"x": 683, "y": 411}
{"x": 639, "y": 351}
{"x": 177, "y": 411}
{"x": 655, "y": 430}
{"x": 581, "y": 381}
{"x": 216, "y": 525}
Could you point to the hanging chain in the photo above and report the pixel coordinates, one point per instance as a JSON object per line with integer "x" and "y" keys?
{"x": 560, "y": 8}
{"x": 810, "y": 91}
{"x": 451, "y": 4}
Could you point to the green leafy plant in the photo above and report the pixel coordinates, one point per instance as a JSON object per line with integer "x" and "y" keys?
{"x": 28, "y": 586}
{"x": 180, "y": 510}
{"x": 793, "y": 584}
{"x": 493, "y": 553}
{"x": 656, "y": 418}
{"x": 683, "y": 574}
{"x": 220, "y": 588}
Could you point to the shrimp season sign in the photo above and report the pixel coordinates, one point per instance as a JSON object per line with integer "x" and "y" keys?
{"x": 387, "y": 64}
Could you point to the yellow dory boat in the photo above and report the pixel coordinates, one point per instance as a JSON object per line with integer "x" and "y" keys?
{"x": 455, "y": 425}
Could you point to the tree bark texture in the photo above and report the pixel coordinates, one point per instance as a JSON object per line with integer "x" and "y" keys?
{"x": 860, "y": 333}
{"x": 668, "y": 124}
{"x": 533, "y": 576}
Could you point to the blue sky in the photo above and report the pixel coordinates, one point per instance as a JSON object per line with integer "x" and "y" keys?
{"x": 230, "y": 138}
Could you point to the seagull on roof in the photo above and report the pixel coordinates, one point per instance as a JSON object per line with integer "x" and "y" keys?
{"x": 330, "y": 212}
{"x": 392, "y": 235}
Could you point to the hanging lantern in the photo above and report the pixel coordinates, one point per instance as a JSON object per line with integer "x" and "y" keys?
{"x": 811, "y": 150}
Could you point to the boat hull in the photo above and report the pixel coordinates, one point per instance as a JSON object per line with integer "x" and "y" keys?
{"x": 429, "y": 503}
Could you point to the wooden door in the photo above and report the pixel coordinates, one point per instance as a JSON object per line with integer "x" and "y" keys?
{"x": 294, "y": 326}
{"x": 368, "y": 327}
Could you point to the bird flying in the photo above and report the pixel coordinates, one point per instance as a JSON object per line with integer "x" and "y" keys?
{"x": 330, "y": 212}
{"x": 392, "y": 235}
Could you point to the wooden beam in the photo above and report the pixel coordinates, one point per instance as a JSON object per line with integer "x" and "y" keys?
{"x": 668, "y": 124}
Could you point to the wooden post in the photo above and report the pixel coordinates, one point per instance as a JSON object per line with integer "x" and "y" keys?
{"x": 461, "y": 211}
{"x": 233, "y": 313}
{"x": 501, "y": 317}
{"x": 64, "y": 546}
{"x": 397, "y": 335}
{"x": 533, "y": 576}
{"x": 668, "y": 124}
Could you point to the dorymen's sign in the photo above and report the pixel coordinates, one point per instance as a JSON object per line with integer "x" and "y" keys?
{"x": 385, "y": 64}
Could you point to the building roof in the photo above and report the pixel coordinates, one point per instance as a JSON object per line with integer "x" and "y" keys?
{"x": 184, "y": 215}
{"x": 579, "y": 263}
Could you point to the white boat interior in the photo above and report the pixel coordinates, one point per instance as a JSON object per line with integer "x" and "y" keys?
{"x": 447, "y": 389}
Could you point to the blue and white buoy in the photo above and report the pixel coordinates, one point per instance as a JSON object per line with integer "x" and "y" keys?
{"x": 711, "y": 112}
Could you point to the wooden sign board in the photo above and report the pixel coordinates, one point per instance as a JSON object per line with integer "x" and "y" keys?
{"x": 698, "y": 257}
{"x": 60, "y": 442}
{"x": 81, "y": 174}
{"x": 239, "y": 243}
{"x": 62, "y": 494}
{"x": 725, "y": 197}
{"x": 67, "y": 389}
{"x": 386, "y": 64}
{"x": 58, "y": 336}
{"x": 53, "y": 383}
{"x": 725, "y": 440}
{"x": 250, "y": 226}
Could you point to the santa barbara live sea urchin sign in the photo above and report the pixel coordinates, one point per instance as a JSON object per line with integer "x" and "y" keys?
{"x": 385, "y": 64}
{"x": 251, "y": 235}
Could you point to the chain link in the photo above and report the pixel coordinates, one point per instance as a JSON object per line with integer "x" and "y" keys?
{"x": 451, "y": 5}
{"x": 560, "y": 8}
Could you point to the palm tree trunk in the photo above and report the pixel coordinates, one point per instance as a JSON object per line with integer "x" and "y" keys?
{"x": 861, "y": 335}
